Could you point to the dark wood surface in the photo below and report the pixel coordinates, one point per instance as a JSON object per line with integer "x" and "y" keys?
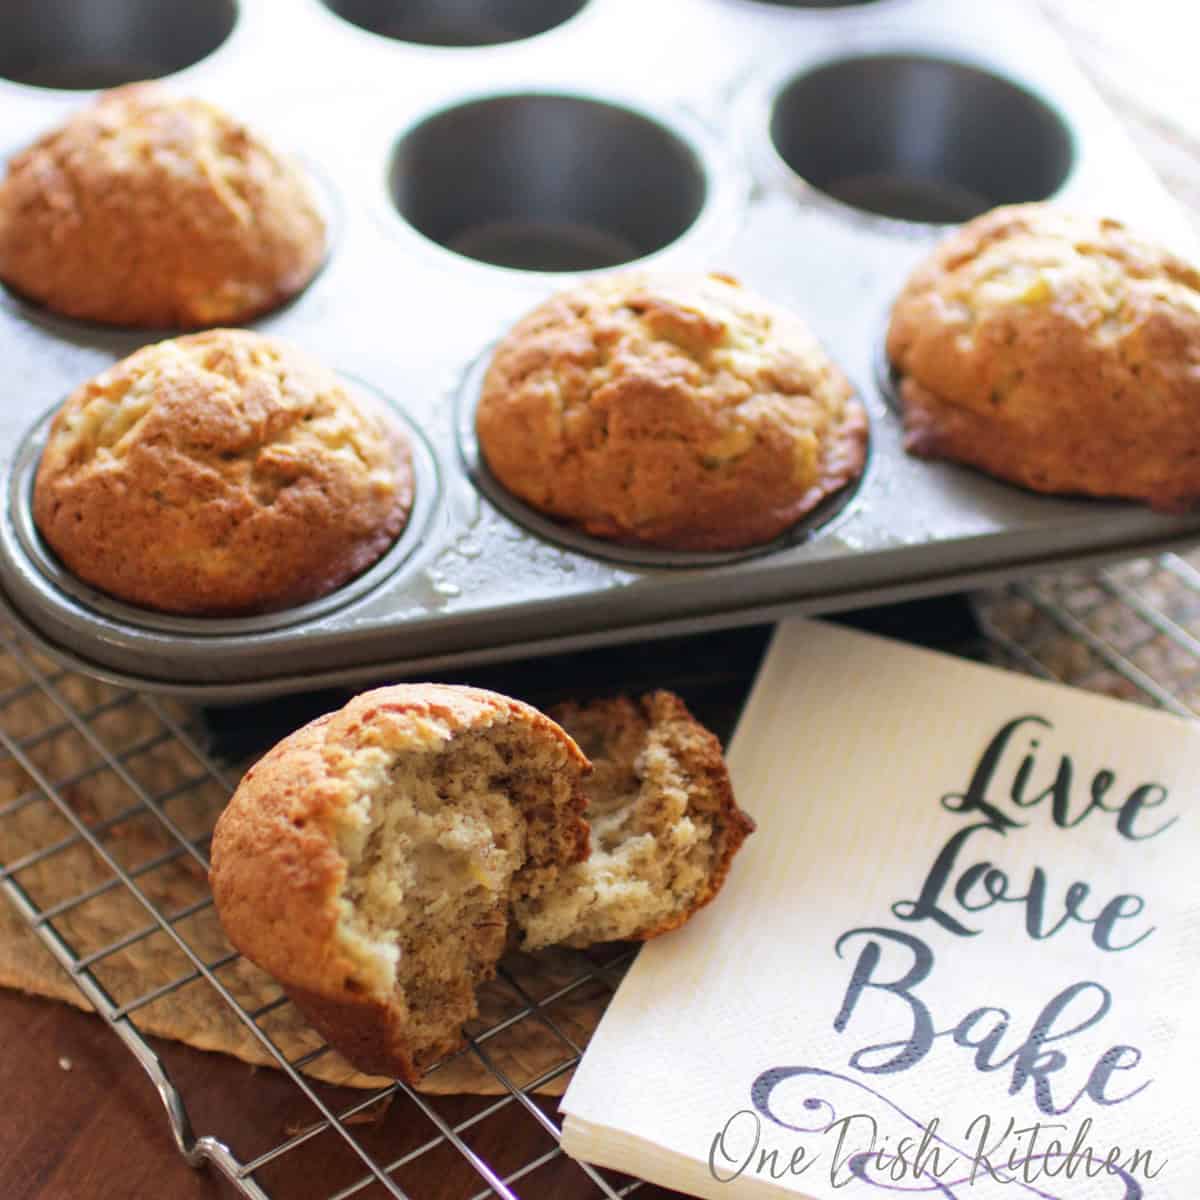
{"x": 78, "y": 1118}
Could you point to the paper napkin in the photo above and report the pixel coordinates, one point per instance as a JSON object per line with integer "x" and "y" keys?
{"x": 958, "y": 959}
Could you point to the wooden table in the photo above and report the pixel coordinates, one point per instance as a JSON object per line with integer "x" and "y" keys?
{"x": 79, "y": 1119}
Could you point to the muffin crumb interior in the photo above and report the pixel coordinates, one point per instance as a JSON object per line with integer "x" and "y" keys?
{"x": 432, "y": 844}
{"x": 655, "y": 837}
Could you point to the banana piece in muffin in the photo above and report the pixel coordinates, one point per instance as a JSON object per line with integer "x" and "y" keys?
{"x": 220, "y": 474}
{"x": 1057, "y": 351}
{"x": 673, "y": 411}
{"x": 151, "y": 210}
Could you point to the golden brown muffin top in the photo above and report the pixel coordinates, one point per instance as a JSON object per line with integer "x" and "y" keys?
{"x": 679, "y": 411}
{"x": 1074, "y": 340}
{"x": 220, "y": 473}
{"x": 155, "y": 210}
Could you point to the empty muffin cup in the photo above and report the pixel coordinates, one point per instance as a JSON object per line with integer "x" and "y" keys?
{"x": 919, "y": 138}
{"x": 82, "y": 44}
{"x": 547, "y": 182}
{"x": 456, "y": 22}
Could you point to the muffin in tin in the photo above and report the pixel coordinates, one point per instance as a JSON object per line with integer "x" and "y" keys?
{"x": 155, "y": 211}
{"x": 679, "y": 412}
{"x": 220, "y": 474}
{"x": 1057, "y": 351}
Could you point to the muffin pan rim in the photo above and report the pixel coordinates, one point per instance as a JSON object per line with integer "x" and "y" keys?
{"x": 351, "y": 675}
{"x": 26, "y": 554}
{"x": 884, "y": 377}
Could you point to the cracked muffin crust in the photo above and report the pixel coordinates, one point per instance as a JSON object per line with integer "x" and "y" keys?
{"x": 678, "y": 411}
{"x": 368, "y": 861}
{"x": 219, "y": 474}
{"x": 1057, "y": 351}
{"x": 149, "y": 210}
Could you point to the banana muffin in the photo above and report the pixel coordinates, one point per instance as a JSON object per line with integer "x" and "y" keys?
{"x": 379, "y": 861}
{"x": 369, "y": 860}
{"x": 149, "y": 210}
{"x": 219, "y": 474}
{"x": 678, "y": 411}
{"x": 1057, "y": 351}
{"x": 664, "y": 826}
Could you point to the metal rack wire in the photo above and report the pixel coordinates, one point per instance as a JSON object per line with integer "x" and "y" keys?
{"x": 1125, "y": 630}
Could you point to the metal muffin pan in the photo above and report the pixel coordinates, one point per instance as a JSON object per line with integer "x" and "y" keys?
{"x": 540, "y": 181}
{"x": 815, "y": 151}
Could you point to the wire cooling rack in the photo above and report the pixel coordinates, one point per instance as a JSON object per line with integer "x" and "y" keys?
{"x": 1126, "y": 630}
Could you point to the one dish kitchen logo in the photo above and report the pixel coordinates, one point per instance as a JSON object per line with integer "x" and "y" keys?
{"x": 859, "y": 1133}
{"x": 925, "y": 1158}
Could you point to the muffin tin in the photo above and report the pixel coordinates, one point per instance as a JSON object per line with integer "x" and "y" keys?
{"x": 814, "y": 150}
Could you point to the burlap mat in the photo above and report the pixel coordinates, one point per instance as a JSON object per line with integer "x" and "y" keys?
{"x": 156, "y": 764}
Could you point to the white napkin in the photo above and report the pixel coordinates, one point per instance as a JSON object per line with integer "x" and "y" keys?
{"x": 734, "y": 1060}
